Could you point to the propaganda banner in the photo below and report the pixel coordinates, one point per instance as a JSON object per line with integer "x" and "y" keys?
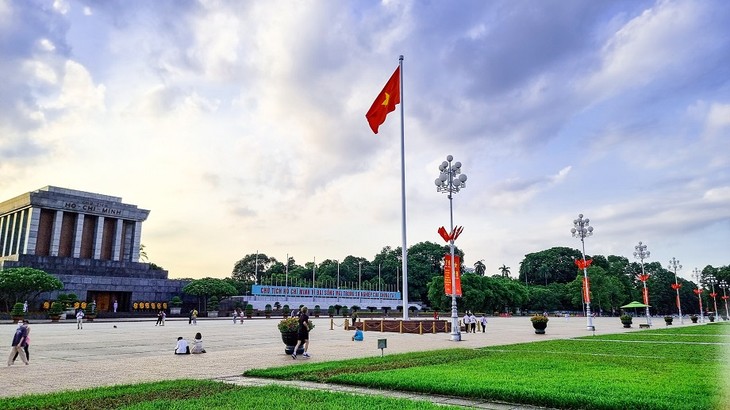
{"x": 447, "y": 274}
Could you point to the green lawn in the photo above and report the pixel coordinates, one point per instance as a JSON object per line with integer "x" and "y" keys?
{"x": 200, "y": 394}
{"x": 672, "y": 368}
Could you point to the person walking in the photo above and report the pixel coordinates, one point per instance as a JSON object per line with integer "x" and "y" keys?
{"x": 159, "y": 318}
{"x": 80, "y": 319}
{"x": 302, "y": 333}
{"x": 164, "y": 316}
{"x": 483, "y": 319}
{"x": 473, "y": 322}
{"x": 194, "y": 317}
{"x": 116, "y": 305}
{"x": 18, "y": 343}
{"x": 26, "y": 323}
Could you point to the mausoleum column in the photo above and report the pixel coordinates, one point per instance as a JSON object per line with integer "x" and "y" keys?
{"x": 117, "y": 247}
{"x": 77, "y": 235}
{"x": 136, "y": 241}
{"x": 98, "y": 237}
{"x": 56, "y": 234}
{"x": 32, "y": 237}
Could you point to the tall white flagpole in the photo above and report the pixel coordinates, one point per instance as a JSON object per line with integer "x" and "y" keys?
{"x": 404, "y": 254}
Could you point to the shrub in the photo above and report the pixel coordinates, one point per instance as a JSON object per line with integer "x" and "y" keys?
{"x": 291, "y": 324}
{"x": 213, "y": 303}
{"x": 317, "y": 310}
{"x": 343, "y": 310}
{"x": 331, "y": 310}
{"x": 249, "y": 309}
{"x": 539, "y": 319}
{"x": 56, "y": 308}
{"x": 17, "y": 310}
{"x": 267, "y": 309}
{"x": 285, "y": 311}
{"x": 175, "y": 301}
{"x": 626, "y": 318}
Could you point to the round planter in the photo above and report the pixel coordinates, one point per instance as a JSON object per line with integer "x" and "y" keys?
{"x": 668, "y": 322}
{"x": 17, "y": 318}
{"x": 694, "y": 319}
{"x": 712, "y": 318}
{"x": 626, "y": 324}
{"x": 539, "y": 327}
{"x": 175, "y": 310}
{"x": 290, "y": 340}
{"x": 55, "y": 318}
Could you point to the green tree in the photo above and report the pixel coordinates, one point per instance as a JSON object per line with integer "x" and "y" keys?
{"x": 551, "y": 265}
{"x": 480, "y": 268}
{"x": 505, "y": 270}
{"x": 207, "y": 287}
{"x": 246, "y": 268}
{"x": 20, "y": 284}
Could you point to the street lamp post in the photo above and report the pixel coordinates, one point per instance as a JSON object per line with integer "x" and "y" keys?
{"x": 641, "y": 253}
{"x": 286, "y": 275}
{"x": 724, "y": 286}
{"x": 674, "y": 265}
{"x": 338, "y": 281}
{"x": 450, "y": 181}
{"x": 712, "y": 280}
{"x": 581, "y": 229}
{"x": 697, "y": 274}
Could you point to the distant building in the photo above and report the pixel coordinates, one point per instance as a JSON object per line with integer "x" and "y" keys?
{"x": 89, "y": 241}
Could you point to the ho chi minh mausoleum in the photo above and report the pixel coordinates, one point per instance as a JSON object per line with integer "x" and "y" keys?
{"x": 90, "y": 242}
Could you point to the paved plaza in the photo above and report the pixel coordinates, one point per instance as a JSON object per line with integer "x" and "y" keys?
{"x": 112, "y": 352}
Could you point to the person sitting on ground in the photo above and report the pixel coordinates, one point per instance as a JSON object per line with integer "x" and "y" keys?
{"x": 182, "y": 346}
{"x": 197, "y": 344}
{"x": 358, "y": 336}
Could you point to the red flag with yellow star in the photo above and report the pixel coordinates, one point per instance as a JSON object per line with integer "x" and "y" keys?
{"x": 385, "y": 103}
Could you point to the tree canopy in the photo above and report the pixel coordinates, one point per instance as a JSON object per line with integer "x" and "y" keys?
{"x": 20, "y": 284}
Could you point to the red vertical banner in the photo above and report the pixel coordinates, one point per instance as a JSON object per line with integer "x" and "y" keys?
{"x": 646, "y": 296}
{"x": 447, "y": 275}
{"x": 586, "y": 290}
{"x": 678, "y": 301}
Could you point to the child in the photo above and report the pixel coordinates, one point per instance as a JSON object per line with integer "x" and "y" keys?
{"x": 358, "y": 336}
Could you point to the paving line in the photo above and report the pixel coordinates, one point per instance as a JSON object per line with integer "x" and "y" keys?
{"x": 363, "y": 391}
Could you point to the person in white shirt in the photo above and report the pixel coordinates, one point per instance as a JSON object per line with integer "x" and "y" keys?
{"x": 466, "y": 322}
{"x": 484, "y": 323}
{"x": 182, "y": 346}
{"x": 80, "y": 319}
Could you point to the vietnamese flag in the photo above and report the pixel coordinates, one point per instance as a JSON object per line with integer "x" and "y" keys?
{"x": 385, "y": 102}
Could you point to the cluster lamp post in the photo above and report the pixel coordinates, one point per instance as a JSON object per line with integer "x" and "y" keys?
{"x": 450, "y": 181}
{"x": 582, "y": 229}
{"x": 712, "y": 280}
{"x": 724, "y": 286}
{"x": 698, "y": 275}
{"x": 675, "y": 266}
{"x": 641, "y": 253}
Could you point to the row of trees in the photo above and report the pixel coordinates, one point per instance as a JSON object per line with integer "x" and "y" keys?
{"x": 547, "y": 280}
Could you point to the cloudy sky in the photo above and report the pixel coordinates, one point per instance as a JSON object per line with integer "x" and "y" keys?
{"x": 241, "y": 125}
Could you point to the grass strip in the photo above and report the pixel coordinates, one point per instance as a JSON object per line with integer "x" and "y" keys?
{"x": 101, "y": 398}
{"x": 209, "y": 395}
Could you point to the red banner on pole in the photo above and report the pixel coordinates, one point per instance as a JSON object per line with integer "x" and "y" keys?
{"x": 586, "y": 290}
{"x": 447, "y": 275}
{"x": 646, "y": 296}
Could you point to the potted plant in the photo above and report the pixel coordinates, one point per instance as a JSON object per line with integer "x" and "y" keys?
{"x": 289, "y": 334}
{"x": 213, "y": 306}
{"x": 693, "y": 318}
{"x": 249, "y": 310}
{"x": 668, "y": 320}
{"x": 175, "y": 305}
{"x": 343, "y": 310}
{"x": 711, "y": 317}
{"x": 18, "y": 312}
{"x": 56, "y": 311}
{"x": 331, "y": 311}
{"x": 285, "y": 311}
{"x": 626, "y": 320}
{"x": 267, "y": 311}
{"x": 90, "y": 311}
{"x": 539, "y": 322}
{"x": 317, "y": 310}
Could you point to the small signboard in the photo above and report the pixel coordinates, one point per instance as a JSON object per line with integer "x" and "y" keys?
{"x": 382, "y": 344}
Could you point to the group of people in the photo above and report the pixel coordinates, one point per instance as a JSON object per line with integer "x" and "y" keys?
{"x": 471, "y": 322}
{"x": 183, "y": 347}
{"x": 21, "y": 341}
{"x": 161, "y": 315}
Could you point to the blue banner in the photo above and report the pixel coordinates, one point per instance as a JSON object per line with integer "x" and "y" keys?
{"x": 261, "y": 290}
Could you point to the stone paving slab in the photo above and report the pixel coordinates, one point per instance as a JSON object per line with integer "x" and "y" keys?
{"x": 109, "y": 352}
